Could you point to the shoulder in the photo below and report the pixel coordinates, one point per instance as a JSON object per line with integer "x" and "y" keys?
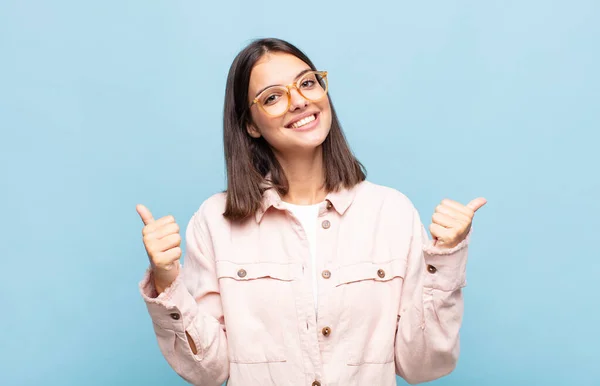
{"x": 385, "y": 196}
{"x": 210, "y": 211}
{"x": 214, "y": 204}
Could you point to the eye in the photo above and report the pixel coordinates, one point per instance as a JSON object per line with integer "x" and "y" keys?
{"x": 307, "y": 83}
{"x": 271, "y": 99}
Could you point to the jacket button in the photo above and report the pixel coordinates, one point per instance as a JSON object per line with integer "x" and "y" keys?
{"x": 431, "y": 269}
{"x": 175, "y": 316}
{"x": 326, "y": 274}
{"x": 242, "y": 273}
{"x": 326, "y": 224}
{"x": 326, "y": 331}
{"x": 316, "y": 383}
{"x": 381, "y": 273}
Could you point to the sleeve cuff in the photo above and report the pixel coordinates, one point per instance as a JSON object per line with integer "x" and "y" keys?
{"x": 174, "y": 309}
{"x": 446, "y": 267}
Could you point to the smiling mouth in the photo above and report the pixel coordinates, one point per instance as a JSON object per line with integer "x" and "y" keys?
{"x": 303, "y": 121}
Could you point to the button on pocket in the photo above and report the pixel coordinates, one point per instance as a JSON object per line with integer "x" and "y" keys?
{"x": 247, "y": 290}
{"x": 373, "y": 290}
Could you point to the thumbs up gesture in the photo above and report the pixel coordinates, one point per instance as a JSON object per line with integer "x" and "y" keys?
{"x": 452, "y": 221}
{"x": 162, "y": 241}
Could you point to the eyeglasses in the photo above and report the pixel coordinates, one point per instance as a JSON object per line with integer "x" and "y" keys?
{"x": 276, "y": 100}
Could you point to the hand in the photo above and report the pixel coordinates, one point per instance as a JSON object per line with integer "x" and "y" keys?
{"x": 162, "y": 241}
{"x": 451, "y": 221}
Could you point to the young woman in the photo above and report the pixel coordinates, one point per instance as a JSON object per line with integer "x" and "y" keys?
{"x": 303, "y": 272}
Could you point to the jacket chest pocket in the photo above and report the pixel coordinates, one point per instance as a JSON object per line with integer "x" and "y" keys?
{"x": 258, "y": 305}
{"x": 371, "y": 292}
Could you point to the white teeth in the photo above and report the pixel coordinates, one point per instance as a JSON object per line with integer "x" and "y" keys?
{"x": 303, "y": 122}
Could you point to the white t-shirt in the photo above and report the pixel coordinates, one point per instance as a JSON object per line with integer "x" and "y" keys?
{"x": 307, "y": 215}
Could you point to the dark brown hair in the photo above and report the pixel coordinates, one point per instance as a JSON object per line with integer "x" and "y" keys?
{"x": 248, "y": 160}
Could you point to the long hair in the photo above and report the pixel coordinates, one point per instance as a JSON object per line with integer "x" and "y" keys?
{"x": 248, "y": 160}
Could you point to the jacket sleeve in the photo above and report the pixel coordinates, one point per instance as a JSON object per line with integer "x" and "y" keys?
{"x": 431, "y": 308}
{"x": 191, "y": 303}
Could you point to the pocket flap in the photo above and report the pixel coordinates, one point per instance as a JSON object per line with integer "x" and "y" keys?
{"x": 250, "y": 271}
{"x": 371, "y": 271}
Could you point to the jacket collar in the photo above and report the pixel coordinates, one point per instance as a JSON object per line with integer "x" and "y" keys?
{"x": 340, "y": 199}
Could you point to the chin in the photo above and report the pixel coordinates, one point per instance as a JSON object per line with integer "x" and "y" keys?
{"x": 313, "y": 141}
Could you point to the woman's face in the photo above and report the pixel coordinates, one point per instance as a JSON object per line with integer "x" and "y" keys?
{"x": 295, "y": 131}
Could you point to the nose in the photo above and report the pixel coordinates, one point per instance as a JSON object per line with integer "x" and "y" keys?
{"x": 297, "y": 101}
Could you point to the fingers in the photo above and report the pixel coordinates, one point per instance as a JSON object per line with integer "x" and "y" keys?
{"x": 443, "y": 220}
{"x": 168, "y": 242}
{"x": 469, "y": 209}
{"x": 153, "y": 226}
{"x": 162, "y": 245}
{"x": 451, "y": 212}
{"x": 165, "y": 230}
{"x": 166, "y": 259}
{"x": 451, "y": 221}
{"x": 457, "y": 206}
{"x": 164, "y": 252}
{"x": 162, "y": 242}
{"x": 476, "y": 204}
{"x": 441, "y": 233}
{"x": 161, "y": 238}
{"x": 145, "y": 214}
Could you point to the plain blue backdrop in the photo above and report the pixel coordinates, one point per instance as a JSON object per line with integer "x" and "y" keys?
{"x": 107, "y": 104}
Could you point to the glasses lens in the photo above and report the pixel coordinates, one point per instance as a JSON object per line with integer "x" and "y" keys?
{"x": 274, "y": 100}
{"x": 313, "y": 86}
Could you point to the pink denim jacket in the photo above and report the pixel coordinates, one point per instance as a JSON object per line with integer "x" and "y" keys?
{"x": 389, "y": 301}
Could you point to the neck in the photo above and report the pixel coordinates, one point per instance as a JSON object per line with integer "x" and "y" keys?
{"x": 306, "y": 177}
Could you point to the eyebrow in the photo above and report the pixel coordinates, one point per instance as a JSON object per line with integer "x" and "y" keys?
{"x": 295, "y": 79}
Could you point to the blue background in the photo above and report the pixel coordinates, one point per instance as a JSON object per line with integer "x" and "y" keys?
{"x": 107, "y": 104}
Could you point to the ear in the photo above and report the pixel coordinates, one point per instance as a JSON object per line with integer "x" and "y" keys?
{"x": 252, "y": 130}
